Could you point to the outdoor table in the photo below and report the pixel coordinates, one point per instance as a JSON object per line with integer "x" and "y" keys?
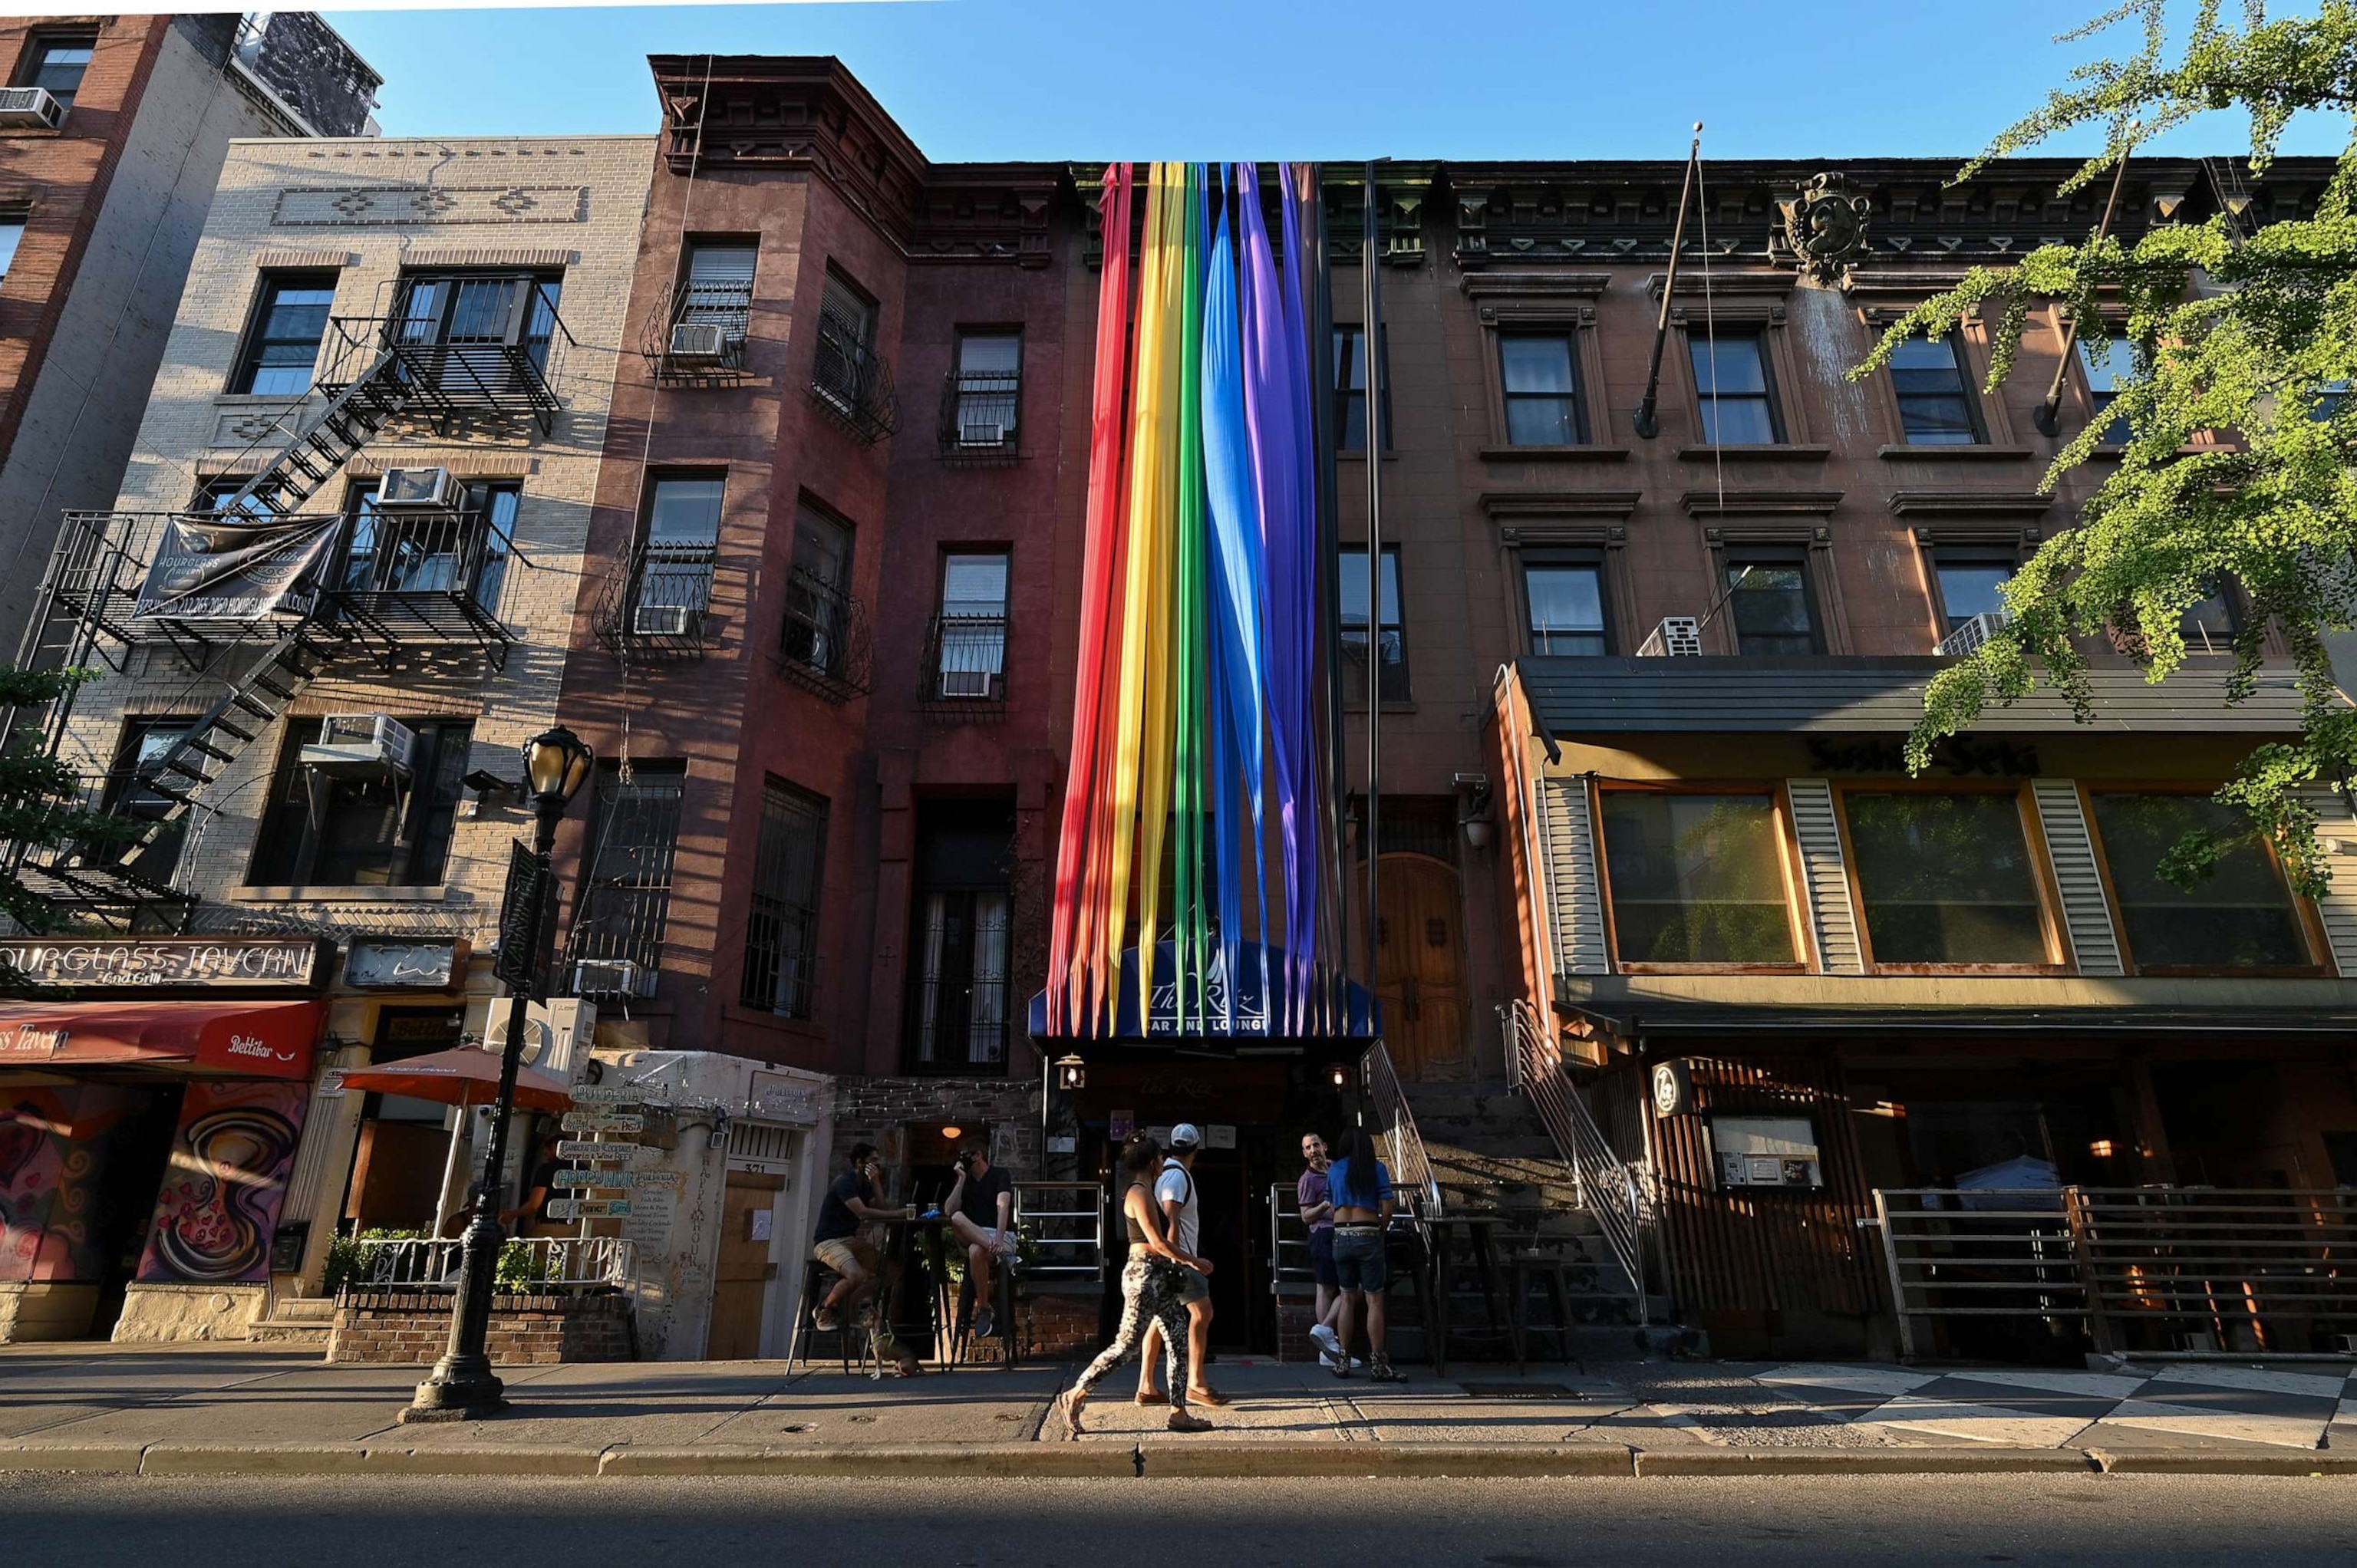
{"x": 899, "y": 1246}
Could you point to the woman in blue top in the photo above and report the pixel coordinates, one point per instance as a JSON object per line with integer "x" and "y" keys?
{"x": 1361, "y": 1190}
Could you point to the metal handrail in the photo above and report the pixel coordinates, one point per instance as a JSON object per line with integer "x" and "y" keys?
{"x": 1610, "y": 1188}
{"x": 555, "y": 1262}
{"x": 1078, "y": 1208}
{"x": 1411, "y": 1166}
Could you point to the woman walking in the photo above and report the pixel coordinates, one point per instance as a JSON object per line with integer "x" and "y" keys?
{"x": 1153, "y": 1288}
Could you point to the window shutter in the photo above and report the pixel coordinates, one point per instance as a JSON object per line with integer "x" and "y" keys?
{"x": 2336, "y": 830}
{"x": 1833, "y": 918}
{"x": 722, "y": 266}
{"x": 2070, "y": 849}
{"x": 1575, "y": 898}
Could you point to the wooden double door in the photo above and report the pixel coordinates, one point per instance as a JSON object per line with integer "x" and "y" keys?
{"x": 1420, "y": 966}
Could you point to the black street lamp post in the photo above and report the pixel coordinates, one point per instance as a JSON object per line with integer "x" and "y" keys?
{"x": 462, "y": 1384}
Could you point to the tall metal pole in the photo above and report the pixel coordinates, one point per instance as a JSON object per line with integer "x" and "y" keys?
{"x": 1370, "y": 316}
{"x": 462, "y": 1384}
{"x": 1646, "y": 426}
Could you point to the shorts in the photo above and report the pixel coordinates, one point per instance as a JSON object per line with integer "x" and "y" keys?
{"x": 1193, "y": 1287}
{"x": 1359, "y": 1261}
{"x": 1321, "y": 1254}
{"x": 843, "y": 1252}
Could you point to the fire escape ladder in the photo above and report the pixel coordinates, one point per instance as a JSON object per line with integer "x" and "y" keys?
{"x": 318, "y": 453}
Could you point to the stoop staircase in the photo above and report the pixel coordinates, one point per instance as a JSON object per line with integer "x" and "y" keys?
{"x": 1490, "y": 1153}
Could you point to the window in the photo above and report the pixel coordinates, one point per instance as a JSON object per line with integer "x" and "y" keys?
{"x": 958, "y": 1005}
{"x": 145, "y": 742}
{"x": 284, "y": 343}
{"x": 625, "y": 875}
{"x": 842, "y": 372}
{"x": 2108, "y": 361}
{"x": 1730, "y": 372}
{"x": 988, "y": 390}
{"x": 467, "y": 323}
{"x": 1945, "y": 879}
{"x": 2240, "y": 917}
{"x": 818, "y": 602}
{"x": 57, "y": 64}
{"x": 355, "y": 827}
{"x": 1935, "y": 406}
{"x": 1351, "y": 388}
{"x": 429, "y": 552}
{"x": 1695, "y": 878}
{"x": 2211, "y": 625}
{"x": 1971, "y": 583}
{"x": 683, "y": 540}
{"x": 970, "y": 647}
{"x": 719, "y": 291}
{"x": 1768, "y": 598}
{"x": 1392, "y": 685}
{"x": 12, "y": 234}
{"x": 1566, "y": 605}
{"x": 1540, "y": 372}
{"x": 782, "y": 930}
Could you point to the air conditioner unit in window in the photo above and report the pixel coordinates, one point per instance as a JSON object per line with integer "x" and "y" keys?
{"x": 981, "y": 433}
{"x": 556, "y": 1034}
{"x": 698, "y": 342}
{"x": 361, "y": 743}
{"x": 417, "y": 490}
{"x": 661, "y": 620}
{"x": 966, "y": 682}
{"x": 29, "y": 109}
{"x": 612, "y": 977}
{"x": 1678, "y": 637}
{"x": 1974, "y": 634}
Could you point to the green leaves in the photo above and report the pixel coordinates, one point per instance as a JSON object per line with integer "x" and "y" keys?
{"x": 2238, "y": 466}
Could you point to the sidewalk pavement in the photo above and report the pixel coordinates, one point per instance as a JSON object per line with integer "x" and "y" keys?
{"x": 219, "y": 1409}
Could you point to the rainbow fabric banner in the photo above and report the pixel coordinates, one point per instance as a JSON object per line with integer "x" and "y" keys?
{"x": 1202, "y": 726}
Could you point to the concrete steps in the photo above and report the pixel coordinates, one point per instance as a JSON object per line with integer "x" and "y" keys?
{"x": 304, "y": 1320}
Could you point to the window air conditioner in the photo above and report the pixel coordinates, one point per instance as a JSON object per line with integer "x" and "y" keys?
{"x": 981, "y": 433}
{"x": 29, "y": 109}
{"x": 966, "y": 682}
{"x": 1974, "y": 634}
{"x": 697, "y": 340}
{"x": 417, "y": 490}
{"x": 1678, "y": 637}
{"x": 361, "y": 743}
{"x": 660, "y": 620}
{"x": 611, "y": 977}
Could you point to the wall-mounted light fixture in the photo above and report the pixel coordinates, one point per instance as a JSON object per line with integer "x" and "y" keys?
{"x": 1339, "y": 1075}
{"x": 2102, "y": 1148}
{"x": 1071, "y": 1072}
{"x": 951, "y": 1132}
{"x": 1472, "y": 791}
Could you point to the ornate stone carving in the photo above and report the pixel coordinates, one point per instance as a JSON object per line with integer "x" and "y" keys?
{"x": 411, "y": 206}
{"x": 1824, "y": 226}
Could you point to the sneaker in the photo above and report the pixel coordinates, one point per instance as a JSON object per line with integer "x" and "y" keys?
{"x": 824, "y": 1320}
{"x": 1327, "y": 1340}
{"x": 1338, "y": 1365}
{"x": 1383, "y": 1373}
{"x": 986, "y": 1324}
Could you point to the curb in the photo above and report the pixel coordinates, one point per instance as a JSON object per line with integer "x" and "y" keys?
{"x": 1156, "y": 1459}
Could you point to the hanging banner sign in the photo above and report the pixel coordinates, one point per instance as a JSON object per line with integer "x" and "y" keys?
{"x": 589, "y": 1208}
{"x": 602, "y": 1122}
{"x": 210, "y": 568}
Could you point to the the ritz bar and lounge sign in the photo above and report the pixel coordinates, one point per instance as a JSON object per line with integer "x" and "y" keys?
{"x": 295, "y": 963}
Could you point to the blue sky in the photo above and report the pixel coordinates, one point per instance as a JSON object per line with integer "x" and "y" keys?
{"x": 1222, "y": 79}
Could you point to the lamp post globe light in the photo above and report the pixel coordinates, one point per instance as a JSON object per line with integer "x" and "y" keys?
{"x": 556, "y": 763}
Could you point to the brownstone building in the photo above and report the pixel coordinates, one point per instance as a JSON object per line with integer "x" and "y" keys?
{"x": 1639, "y": 698}
{"x": 112, "y": 132}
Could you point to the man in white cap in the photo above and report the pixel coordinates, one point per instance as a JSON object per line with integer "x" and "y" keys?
{"x": 1182, "y": 1218}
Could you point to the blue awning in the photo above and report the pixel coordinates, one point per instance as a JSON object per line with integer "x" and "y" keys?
{"x": 1252, "y": 1021}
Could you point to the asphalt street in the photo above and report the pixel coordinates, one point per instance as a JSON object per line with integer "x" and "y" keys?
{"x": 261, "y": 1522}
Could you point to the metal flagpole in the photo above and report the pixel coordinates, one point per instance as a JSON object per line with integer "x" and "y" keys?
{"x": 1371, "y": 318}
{"x": 1646, "y": 426}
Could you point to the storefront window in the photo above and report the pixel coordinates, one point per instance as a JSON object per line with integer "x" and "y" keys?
{"x": 1946, "y": 878}
{"x": 1695, "y": 878}
{"x": 2240, "y": 916}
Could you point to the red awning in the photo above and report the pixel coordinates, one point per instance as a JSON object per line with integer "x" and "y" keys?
{"x": 241, "y": 1039}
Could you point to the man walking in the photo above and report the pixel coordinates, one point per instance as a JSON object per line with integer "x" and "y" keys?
{"x": 1182, "y": 1218}
{"x": 1362, "y": 1192}
{"x": 1317, "y": 1213}
{"x": 981, "y": 1207}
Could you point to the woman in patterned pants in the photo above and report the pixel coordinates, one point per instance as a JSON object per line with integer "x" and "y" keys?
{"x": 1152, "y": 1288}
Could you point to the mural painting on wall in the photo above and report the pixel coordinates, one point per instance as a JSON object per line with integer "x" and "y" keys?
{"x": 230, "y": 1159}
{"x": 51, "y": 1151}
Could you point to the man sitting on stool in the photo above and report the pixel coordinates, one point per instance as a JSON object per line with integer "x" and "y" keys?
{"x": 836, "y": 1243}
{"x": 981, "y": 1207}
